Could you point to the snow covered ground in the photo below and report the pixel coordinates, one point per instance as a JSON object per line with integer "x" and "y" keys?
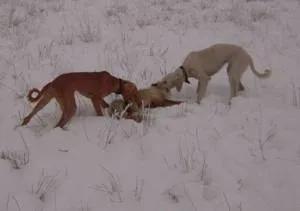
{"x": 186, "y": 157}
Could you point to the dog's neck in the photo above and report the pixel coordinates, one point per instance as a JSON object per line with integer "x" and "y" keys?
{"x": 119, "y": 90}
{"x": 186, "y": 77}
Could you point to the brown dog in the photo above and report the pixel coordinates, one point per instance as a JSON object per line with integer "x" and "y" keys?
{"x": 94, "y": 85}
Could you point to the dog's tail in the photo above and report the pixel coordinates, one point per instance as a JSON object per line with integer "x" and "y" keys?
{"x": 265, "y": 74}
{"x": 33, "y": 99}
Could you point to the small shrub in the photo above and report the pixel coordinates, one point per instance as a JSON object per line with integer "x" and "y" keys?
{"x": 89, "y": 30}
{"x": 17, "y": 159}
{"x": 113, "y": 189}
{"x": 45, "y": 185}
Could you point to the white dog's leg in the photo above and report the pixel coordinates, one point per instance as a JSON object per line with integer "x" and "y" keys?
{"x": 201, "y": 89}
{"x": 203, "y": 80}
{"x": 234, "y": 86}
{"x": 241, "y": 86}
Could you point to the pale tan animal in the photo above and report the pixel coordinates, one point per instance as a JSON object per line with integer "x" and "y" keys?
{"x": 154, "y": 96}
{"x": 150, "y": 97}
{"x": 202, "y": 64}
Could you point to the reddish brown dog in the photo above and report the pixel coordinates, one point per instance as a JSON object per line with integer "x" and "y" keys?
{"x": 94, "y": 85}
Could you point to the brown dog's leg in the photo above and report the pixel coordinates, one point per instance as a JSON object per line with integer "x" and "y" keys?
{"x": 99, "y": 103}
{"x": 103, "y": 103}
{"x": 68, "y": 107}
{"x": 40, "y": 105}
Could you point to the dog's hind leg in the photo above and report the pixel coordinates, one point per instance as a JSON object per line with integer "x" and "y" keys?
{"x": 233, "y": 87}
{"x": 68, "y": 107}
{"x": 45, "y": 99}
{"x": 241, "y": 86}
{"x": 236, "y": 70}
{"x": 166, "y": 103}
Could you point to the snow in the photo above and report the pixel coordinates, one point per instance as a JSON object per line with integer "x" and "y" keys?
{"x": 186, "y": 157}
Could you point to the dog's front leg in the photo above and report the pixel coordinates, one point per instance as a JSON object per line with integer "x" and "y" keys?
{"x": 99, "y": 104}
{"x": 201, "y": 89}
{"x": 103, "y": 103}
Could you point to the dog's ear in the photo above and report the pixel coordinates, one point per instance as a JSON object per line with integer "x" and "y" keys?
{"x": 178, "y": 85}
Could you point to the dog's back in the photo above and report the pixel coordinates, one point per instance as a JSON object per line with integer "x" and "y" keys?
{"x": 83, "y": 81}
{"x": 211, "y": 59}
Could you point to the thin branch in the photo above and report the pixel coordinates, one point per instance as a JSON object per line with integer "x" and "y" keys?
{"x": 166, "y": 161}
{"x": 7, "y": 201}
{"x": 190, "y": 199}
{"x": 24, "y": 142}
{"x": 227, "y": 202}
{"x": 17, "y": 203}
{"x": 85, "y": 132}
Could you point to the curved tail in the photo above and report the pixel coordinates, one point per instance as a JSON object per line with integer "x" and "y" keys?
{"x": 265, "y": 74}
{"x": 33, "y": 99}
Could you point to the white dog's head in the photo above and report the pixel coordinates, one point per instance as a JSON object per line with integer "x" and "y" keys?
{"x": 174, "y": 79}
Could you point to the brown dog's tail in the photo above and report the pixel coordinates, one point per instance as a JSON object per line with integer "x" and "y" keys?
{"x": 33, "y": 99}
{"x": 265, "y": 74}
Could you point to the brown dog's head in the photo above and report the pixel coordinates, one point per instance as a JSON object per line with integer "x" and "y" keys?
{"x": 129, "y": 92}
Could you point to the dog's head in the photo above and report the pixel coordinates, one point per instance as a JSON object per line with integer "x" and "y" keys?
{"x": 168, "y": 85}
{"x": 171, "y": 80}
{"x": 129, "y": 92}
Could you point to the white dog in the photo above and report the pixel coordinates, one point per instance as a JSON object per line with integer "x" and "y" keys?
{"x": 201, "y": 65}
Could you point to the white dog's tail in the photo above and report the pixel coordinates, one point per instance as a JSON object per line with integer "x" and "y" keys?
{"x": 265, "y": 74}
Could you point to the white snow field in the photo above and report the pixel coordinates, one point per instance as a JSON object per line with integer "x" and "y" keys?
{"x": 190, "y": 157}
